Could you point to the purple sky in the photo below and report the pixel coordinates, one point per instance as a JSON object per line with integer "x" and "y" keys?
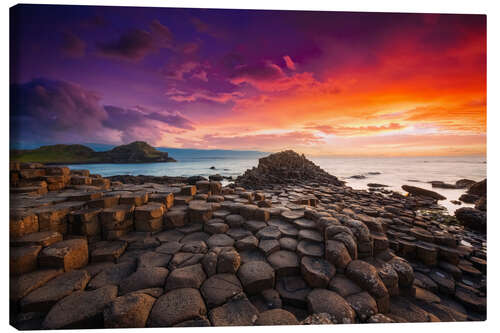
{"x": 227, "y": 78}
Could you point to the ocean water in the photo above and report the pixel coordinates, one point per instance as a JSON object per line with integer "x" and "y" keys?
{"x": 393, "y": 171}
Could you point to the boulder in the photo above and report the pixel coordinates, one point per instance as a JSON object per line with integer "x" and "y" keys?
{"x": 128, "y": 311}
{"x": 366, "y": 276}
{"x": 43, "y": 298}
{"x": 143, "y": 278}
{"x": 326, "y": 301}
{"x": 69, "y": 254}
{"x": 177, "y": 306}
{"x": 256, "y": 276}
{"x": 186, "y": 277}
{"x": 421, "y": 192}
{"x": 81, "y": 309}
{"x": 276, "y": 317}
{"x": 236, "y": 312}
{"x": 218, "y": 289}
{"x": 472, "y": 218}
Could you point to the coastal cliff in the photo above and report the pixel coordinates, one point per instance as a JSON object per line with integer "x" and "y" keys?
{"x": 135, "y": 152}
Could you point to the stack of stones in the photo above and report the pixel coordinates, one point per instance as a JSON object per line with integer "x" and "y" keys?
{"x": 36, "y": 178}
{"x": 157, "y": 255}
{"x": 285, "y": 167}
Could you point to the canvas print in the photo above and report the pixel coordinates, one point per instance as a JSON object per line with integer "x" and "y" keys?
{"x": 174, "y": 167}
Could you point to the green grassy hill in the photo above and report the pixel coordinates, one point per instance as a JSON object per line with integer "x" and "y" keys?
{"x": 135, "y": 152}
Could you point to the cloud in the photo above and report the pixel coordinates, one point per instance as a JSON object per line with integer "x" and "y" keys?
{"x": 50, "y": 111}
{"x": 132, "y": 45}
{"x": 182, "y": 96}
{"x": 135, "y": 44}
{"x": 173, "y": 119}
{"x": 205, "y": 28}
{"x": 72, "y": 46}
{"x": 272, "y": 141}
{"x": 202, "y": 75}
{"x": 43, "y": 110}
{"x": 289, "y": 63}
{"x": 180, "y": 71}
{"x": 355, "y": 131}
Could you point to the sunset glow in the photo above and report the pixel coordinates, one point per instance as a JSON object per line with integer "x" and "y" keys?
{"x": 322, "y": 83}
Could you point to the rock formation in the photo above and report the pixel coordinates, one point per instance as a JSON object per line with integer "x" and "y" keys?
{"x": 286, "y": 167}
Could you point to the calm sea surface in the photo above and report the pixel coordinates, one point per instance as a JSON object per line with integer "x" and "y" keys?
{"x": 394, "y": 171}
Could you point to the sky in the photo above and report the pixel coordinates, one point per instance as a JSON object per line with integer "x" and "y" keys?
{"x": 321, "y": 83}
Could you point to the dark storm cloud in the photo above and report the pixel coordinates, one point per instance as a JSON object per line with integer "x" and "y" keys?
{"x": 72, "y": 46}
{"x": 45, "y": 110}
{"x": 132, "y": 45}
{"x": 135, "y": 44}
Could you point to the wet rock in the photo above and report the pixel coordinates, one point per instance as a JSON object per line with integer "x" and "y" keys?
{"x": 177, "y": 306}
{"x": 247, "y": 243}
{"x": 269, "y": 246}
{"x": 82, "y": 309}
{"x": 472, "y": 218}
{"x": 326, "y": 301}
{"x": 417, "y": 191}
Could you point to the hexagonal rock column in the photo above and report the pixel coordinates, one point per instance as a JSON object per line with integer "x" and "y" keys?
{"x": 128, "y": 311}
{"x": 24, "y": 259}
{"x": 22, "y": 223}
{"x": 316, "y": 271}
{"x": 177, "y": 306}
{"x": 285, "y": 263}
{"x": 219, "y": 288}
{"x": 199, "y": 211}
{"x": 236, "y": 312}
{"x": 337, "y": 254}
{"x": 326, "y": 301}
{"x": 85, "y": 222}
{"x": 82, "y": 309}
{"x": 43, "y": 298}
{"x": 256, "y": 276}
{"x": 276, "y": 317}
{"x": 53, "y": 218}
{"x": 116, "y": 221}
{"x": 186, "y": 277}
{"x": 149, "y": 218}
{"x": 69, "y": 254}
{"x": 42, "y": 238}
{"x": 167, "y": 199}
{"x": 134, "y": 199}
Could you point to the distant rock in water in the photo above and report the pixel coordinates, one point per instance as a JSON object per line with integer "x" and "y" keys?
{"x": 376, "y": 185}
{"x": 286, "y": 167}
{"x": 464, "y": 183}
{"x": 422, "y": 192}
{"x": 374, "y": 173}
{"x": 135, "y": 152}
{"x": 440, "y": 184}
{"x": 357, "y": 177}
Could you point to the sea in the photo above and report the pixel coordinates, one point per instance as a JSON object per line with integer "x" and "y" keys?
{"x": 391, "y": 171}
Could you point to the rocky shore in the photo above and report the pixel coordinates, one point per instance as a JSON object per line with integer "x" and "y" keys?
{"x": 286, "y": 244}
